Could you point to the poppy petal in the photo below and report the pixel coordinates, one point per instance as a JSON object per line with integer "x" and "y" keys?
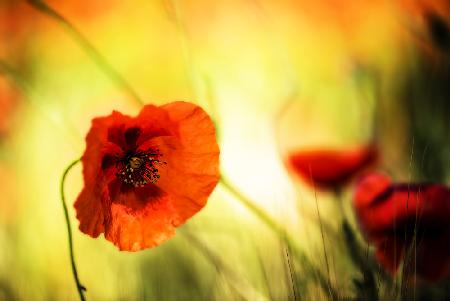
{"x": 192, "y": 171}
{"x": 97, "y": 144}
{"x": 88, "y": 204}
{"x": 139, "y": 218}
{"x": 90, "y": 212}
{"x": 402, "y": 205}
{"x": 432, "y": 257}
{"x": 390, "y": 253}
{"x": 329, "y": 169}
{"x": 369, "y": 188}
{"x": 393, "y": 216}
{"x": 153, "y": 122}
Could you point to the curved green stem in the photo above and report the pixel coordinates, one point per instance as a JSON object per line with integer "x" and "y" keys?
{"x": 80, "y": 288}
{"x": 88, "y": 48}
{"x": 280, "y": 231}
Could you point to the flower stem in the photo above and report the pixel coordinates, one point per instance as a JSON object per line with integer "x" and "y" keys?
{"x": 80, "y": 288}
{"x": 12, "y": 74}
{"x": 88, "y": 48}
{"x": 366, "y": 288}
{"x": 278, "y": 229}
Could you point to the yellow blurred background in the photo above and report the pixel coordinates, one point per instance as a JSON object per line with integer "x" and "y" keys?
{"x": 272, "y": 74}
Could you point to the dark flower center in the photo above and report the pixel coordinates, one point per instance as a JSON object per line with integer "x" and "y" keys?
{"x": 139, "y": 168}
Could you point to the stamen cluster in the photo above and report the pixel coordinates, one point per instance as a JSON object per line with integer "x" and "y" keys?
{"x": 140, "y": 168}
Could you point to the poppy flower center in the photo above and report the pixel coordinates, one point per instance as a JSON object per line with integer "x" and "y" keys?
{"x": 135, "y": 162}
{"x": 139, "y": 168}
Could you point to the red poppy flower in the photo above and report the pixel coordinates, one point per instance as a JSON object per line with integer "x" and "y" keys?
{"x": 391, "y": 214}
{"x": 146, "y": 175}
{"x": 330, "y": 169}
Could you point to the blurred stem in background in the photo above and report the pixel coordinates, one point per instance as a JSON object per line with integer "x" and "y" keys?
{"x": 366, "y": 288}
{"x": 13, "y": 75}
{"x": 88, "y": 48}
{"x": 425, "y": 95}
{"x": 283, "y": 235}
{"x": 80, "y": 288}
{"x": 32, "y": 97}
{"x": 241, "y": 285}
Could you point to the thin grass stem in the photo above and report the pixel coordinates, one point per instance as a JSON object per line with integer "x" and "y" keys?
{"x": 280, "y": 231}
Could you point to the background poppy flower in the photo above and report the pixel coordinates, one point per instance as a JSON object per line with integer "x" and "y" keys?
{"x": 391, "y": 214}
{"x": 145, "y": 176}
{"x": 330, "y": 169}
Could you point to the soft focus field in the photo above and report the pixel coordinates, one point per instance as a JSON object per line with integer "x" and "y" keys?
{"x": 274, "y": 76}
